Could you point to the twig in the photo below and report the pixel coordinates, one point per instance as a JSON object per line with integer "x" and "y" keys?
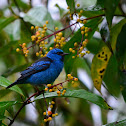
{"x": 25, "y": 103}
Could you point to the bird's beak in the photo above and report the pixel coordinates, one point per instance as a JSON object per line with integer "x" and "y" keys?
{"x": 64, "y": 54}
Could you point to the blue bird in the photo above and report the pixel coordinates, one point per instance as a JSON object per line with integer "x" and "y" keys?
{"x": 43, "y": 71}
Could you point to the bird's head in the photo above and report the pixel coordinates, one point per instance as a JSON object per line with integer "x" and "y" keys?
{"x": 56, "y": 54}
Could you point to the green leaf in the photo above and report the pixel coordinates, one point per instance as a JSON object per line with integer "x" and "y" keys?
{"x": 116, "y": 29}
{"x": 15, "y": 69}
{"x": 6, "y": 104}
{"x": 2, "y": 117}
{"x": 71, "y": 4}
{"x": 4, "y": 82}
{"x": 61, "y": 10}
{"x": 104, "y": 31}
{"x": 25, "y": 32}
{"x": 110, "y": 7}
{"x": 100, "y": 3}
{"x": 91, "y": 11}
{"x": 7, "y": 48}
{"x": 93, "y": 45}
{"x": 7, "y": 21}
{"x": 38, "y": 15}
{"x": 93, "y": 24}
{"x": 111, "y": 77}
{"x": 117, "y": 123}
{"x": 121, "y": 58}
{"x": 13, "y": 32}
{"x": 81, "y": 93}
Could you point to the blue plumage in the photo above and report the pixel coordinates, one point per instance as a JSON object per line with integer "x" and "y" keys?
{"x": 44, "y": 70}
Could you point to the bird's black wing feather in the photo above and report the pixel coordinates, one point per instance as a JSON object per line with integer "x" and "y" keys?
{"x": 40, "y": 65}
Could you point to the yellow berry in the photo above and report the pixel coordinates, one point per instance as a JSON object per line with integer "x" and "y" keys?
{"x": 50, "y": 48}
{"x": 86, "y": 40}
{"x": 36, "y": 27}
{"x": 56, "y": 28}
{"x": 24, "y": 44}
{"x": 55, "y": 40}
{"x": 45, "y": 28}
{"x": 32, "y": 27}
{"x": 78, "y": 20}
{"x": 50, "y": 90}
{"x": 70, "y": 49}
{"x": 78, "y": 5}
{"x": 44, "y": 113}
{"x": 41, "y": 55}
{"x": 49, "y": 85}
{"x": 84, "y": 21}
{"x": 75, "y": 44}
{"x": 64, "y": 91}
{"x": 84, "y": 43}
{"x": 88, "y": 52}
{"x": 39, "y": 38}
{"x": 82, "y": 54}
{"x": 72, "y": 82}
{"x": 46, "y": 89}
{"x": 58, "y": 92}
{"x": 75, "y": 79}
{"x": 73, "y": 57}
{"x": 52, "y": 102}
{"x": 17, "y": 50}
{"x": 60, "y": 34}
{"x": 46, "y": 42}
{"x": 81, "y": 11}
{"x": 57, "y": 45}
{"x": 37, "y": 54}
{"x": 82, "y": 28}
{"x": 81, "y": 22}
{"x": 68, "y": 75}
{"x": 53, "y": 115}
{"x": 27, "y": 51}
{"x": 44, "y": 25}
{"x": 33, "y": 37}
{"x": 73, "y": 51}
{"x": 43, "y": 32}
{"x": 57, "y": 37}
{"x": 42, "y": 35}
{"x": 49, "y": 112}
{"x": 56, "y": 114}
{"x": 51, "y": 106}
{"x": 82, "y": 32}
{"x": 50, "y": 118}
{"x": 45, "y": 120}
{"x": 26, "y": 55}
{"x": 62, "y": 38}
{"x": 47, "y": 22}
{"x": 81, "y": 48}
{"x": 71, "y": 77}
{"x": 86, "y": 34}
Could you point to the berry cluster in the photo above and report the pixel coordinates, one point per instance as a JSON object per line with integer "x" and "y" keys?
{"x": 49, "y": 114}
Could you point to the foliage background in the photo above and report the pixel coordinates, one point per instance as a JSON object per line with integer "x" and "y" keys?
{"x": 108, "y": 30}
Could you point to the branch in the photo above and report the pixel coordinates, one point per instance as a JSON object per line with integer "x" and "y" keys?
{"x": 23, "y": 105}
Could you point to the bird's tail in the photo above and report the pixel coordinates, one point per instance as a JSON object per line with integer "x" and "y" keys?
{"x": 11, "y": 85}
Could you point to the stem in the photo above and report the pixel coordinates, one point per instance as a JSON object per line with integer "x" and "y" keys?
{"x": 53, "y": 34}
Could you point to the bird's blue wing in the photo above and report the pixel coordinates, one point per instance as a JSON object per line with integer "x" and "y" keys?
{"x": 40, "y": 65}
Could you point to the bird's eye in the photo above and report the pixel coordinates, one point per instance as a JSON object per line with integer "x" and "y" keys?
{"x": 59, "y": 53}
